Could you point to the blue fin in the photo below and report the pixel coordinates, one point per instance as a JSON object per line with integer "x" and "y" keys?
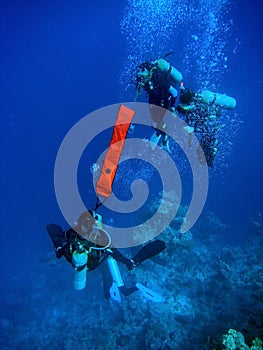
{"x": 114, "y": 292}
{"x": 149, "y": 294}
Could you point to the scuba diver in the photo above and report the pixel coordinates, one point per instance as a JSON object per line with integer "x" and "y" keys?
{"x": 200, "y": 110}
{"x": 160, "y": 80}
{"x": 86, "y": 245}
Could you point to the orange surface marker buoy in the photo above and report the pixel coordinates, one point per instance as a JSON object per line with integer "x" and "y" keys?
{"x": 111, "y": 161}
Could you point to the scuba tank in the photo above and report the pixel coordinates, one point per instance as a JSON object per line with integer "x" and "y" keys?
{"x": 220, "y": 100}
{"x": 79, "y": 260}
{"x": 176, "y": 75}
{"x": 167, "y": 67}
{"x": 83, "y": 245}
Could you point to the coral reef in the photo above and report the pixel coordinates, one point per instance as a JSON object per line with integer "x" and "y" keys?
{"x": 208, "y": 289}
{"x": 234, "y": 340}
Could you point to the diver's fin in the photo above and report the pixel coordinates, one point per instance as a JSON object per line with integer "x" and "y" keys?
{"x": 114, "y": 292}
{"x": 149, "y": 294}
{"x": 148, "y": 251}
{"x": 155, "y": 138}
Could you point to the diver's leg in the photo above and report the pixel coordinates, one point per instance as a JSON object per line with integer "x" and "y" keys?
{"x": 127, "y": 291}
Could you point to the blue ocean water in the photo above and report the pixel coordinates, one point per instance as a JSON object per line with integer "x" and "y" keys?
{"x": 62, "y": 60}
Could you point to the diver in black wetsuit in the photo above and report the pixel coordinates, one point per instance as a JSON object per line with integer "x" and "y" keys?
{"x": 86, "y": 245}
{"x": 203, "y": 118}
{"x": 200, "y": 110}
{"x": 159, "y": 79}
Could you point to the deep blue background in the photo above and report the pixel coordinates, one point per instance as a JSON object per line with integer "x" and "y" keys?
{"x": 61, "y": 60}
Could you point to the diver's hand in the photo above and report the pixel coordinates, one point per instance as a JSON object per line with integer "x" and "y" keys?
{"x": 59, "y": 252}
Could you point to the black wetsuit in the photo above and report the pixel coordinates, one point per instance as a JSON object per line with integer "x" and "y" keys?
{"x": 200, "y": 118}
{"x": 65, "y": 243}
{"x": 158, "y": 89}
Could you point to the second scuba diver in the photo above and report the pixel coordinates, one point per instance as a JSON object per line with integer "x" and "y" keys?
{"x": 200, "y": 110}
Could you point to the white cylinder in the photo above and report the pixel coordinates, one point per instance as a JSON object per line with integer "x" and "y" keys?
{"x": 163, "y": 64}
{"x": 220, "y": 100}
{"x": 166, "y": 66}
{"x": 115, "y": 272}
{"x": 79, "y": 277}
{"x": 176, "y": 75}
{"x": 173, "y": 91}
